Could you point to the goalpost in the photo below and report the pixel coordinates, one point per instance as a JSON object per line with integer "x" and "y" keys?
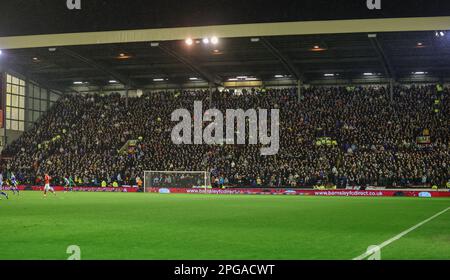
{"x": 176, "y": 179}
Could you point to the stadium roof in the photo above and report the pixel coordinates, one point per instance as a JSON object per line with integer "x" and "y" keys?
{"x": 142, "y": 43}
{"x": 308, "y": 57}
{"x": 33, "y": 17}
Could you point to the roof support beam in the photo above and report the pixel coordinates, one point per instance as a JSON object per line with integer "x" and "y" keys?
{"x": 388, "y": 69}
{"x": 264, "y": 62}
{"x": 114, "y": 74}
{"x": 214, "y": 79}
{"x": 287, "y": 63}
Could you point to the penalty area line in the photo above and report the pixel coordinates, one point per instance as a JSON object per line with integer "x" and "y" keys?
{"x": 397, "y": 237}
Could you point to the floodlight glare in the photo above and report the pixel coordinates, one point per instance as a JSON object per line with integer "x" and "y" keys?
{"x": 214, "y": 40}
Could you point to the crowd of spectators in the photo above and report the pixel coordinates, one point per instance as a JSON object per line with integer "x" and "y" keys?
{"x": 373, "y": 138}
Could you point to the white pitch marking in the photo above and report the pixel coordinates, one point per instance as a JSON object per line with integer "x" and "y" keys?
{"x": 397, "y": 237}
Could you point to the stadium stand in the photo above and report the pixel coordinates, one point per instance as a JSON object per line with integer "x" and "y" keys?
{"x": 341, "y": 135}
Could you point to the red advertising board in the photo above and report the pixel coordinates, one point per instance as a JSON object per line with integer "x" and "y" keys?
{"x": 352, "y": 193}
{"x": 261, "y": 191}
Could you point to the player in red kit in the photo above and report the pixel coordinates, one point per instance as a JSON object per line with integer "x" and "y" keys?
{"x": 47, "y": 187}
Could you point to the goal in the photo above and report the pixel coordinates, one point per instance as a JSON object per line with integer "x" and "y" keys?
{"x": 175, "y": 179}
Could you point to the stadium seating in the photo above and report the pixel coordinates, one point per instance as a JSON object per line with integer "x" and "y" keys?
{"x": 371, "y": 139}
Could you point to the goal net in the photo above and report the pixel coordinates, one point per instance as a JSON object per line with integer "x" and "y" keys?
{"x": 175, "y": 179}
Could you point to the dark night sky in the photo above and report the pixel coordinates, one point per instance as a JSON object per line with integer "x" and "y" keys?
{"x": 25, "y": 17}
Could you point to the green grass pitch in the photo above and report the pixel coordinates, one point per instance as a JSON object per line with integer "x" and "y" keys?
{"x": 110, "y": 226}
